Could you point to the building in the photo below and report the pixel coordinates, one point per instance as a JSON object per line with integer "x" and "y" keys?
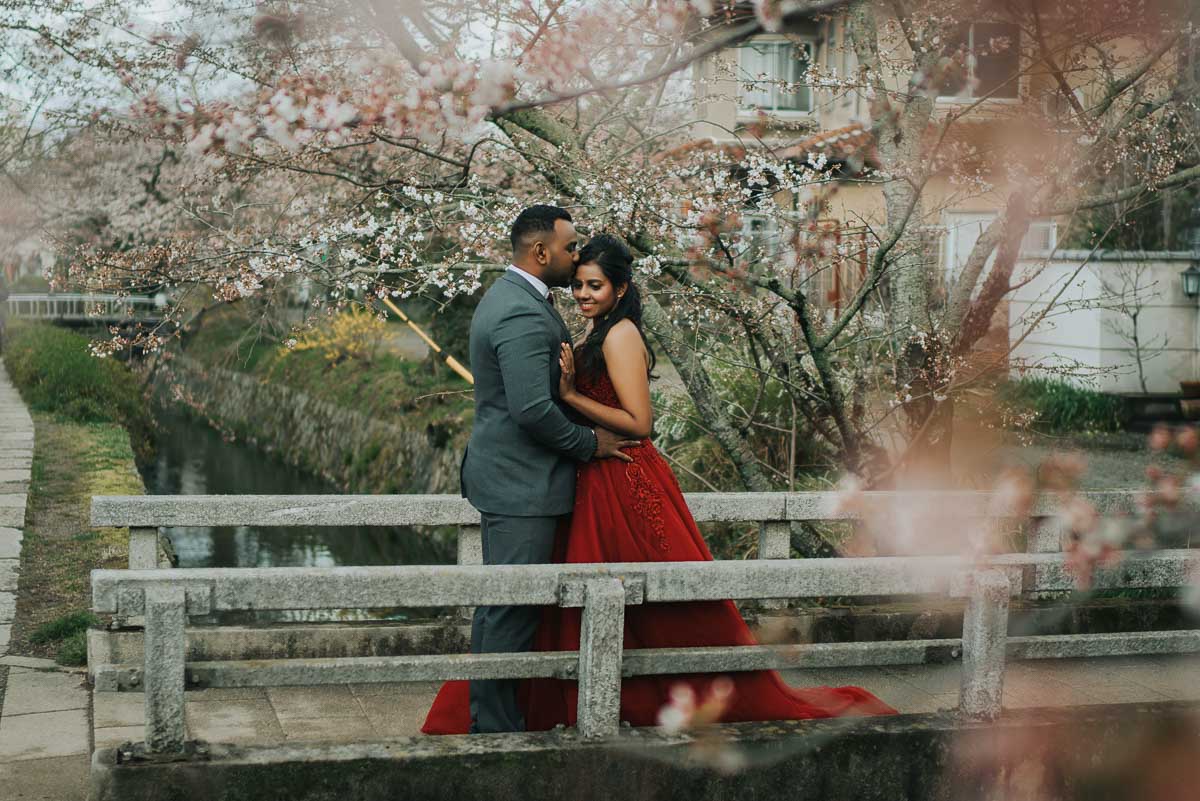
{"x": 787, "y": 93}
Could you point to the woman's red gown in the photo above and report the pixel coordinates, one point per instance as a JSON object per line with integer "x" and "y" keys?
{"x": 635, "y": 512}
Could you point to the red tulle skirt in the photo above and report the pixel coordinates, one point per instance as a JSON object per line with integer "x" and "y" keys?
{"x": 635, "y": 512}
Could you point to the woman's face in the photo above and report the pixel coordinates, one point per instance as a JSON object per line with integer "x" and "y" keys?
{"x": 594, "y": 293}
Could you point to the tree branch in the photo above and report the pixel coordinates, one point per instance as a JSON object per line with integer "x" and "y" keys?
{"x": 1118, "y": 88}
{"x": 1095, "y": 201}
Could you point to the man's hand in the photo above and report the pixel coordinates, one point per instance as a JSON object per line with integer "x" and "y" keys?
{"x": 609, "y": 445}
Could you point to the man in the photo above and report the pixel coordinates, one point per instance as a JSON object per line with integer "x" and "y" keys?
{"x": 520, "y": 463}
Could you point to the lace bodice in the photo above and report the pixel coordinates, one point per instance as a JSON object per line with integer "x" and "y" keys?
{"x": 598, "y": 387}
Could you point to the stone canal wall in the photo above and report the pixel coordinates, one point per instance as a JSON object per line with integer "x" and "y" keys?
{"x": 1067, "y": 754}
{"x": 357, "y": 453}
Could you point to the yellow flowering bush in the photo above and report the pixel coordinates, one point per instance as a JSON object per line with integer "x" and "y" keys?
{"x": 352, "y": 334}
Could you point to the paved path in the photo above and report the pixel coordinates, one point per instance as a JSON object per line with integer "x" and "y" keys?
{"x": 357, "y": 712}
{"x": 44, "y": 716}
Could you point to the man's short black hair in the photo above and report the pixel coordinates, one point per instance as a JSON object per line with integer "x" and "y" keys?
{"x": 535, "y": 220}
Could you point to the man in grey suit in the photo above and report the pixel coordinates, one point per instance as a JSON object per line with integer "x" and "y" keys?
{"x": 520, "y": 463}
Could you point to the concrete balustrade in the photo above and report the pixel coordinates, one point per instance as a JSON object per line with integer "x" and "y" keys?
{"x": 774, "y": 511}
{"x": 168, "y": 597}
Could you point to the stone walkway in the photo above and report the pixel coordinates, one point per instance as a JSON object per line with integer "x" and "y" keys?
{"x": 16, "y": 459}
{"x": 358, "y": 712}
{"x": 45, "y": 741}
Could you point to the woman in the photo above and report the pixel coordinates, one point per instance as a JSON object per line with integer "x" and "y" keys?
{"x": 635, "y": 512}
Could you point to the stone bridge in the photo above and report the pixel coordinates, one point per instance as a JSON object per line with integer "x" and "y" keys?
{"x": 1011, "y": 684}
{"x": 333, "y": 711}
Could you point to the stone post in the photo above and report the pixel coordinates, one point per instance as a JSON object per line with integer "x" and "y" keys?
{"x": 601, "y": 643}
{"x": 1044, "y": 535}
{"x": 774, "y": 542}
{"x": 985, "y": 634}
{"x": 470, "y": 552}
{"x": 143, "y": 548}
{"x": 775, "y": 539}
{"x": 166, "y": 615}
{"x": 470, "y": 545}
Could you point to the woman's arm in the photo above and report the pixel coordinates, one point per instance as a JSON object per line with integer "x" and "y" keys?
{"x": 625, "y": 357}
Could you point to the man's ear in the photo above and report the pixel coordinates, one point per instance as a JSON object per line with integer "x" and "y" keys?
{"x": 540, "y": 253}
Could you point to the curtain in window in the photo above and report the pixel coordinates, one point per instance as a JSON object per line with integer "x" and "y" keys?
{"x": 756, "y": 69}
{"x": 765, "y": 65}
{"x": 792, "y": 62}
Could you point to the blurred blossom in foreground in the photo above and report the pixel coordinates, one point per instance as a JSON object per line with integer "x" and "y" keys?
{"x": 910, "y": 523}
{"x": 685, "y": 713}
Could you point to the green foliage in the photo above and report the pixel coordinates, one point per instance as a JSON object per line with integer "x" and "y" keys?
{"x": 224, "y": 337}
{"x": 29, "y": 283}
{"x": 63, "y": 627}
{"x": 389, "y": 386}
{"x": 762, "y": 410}
{"x": 56, "y": 373}
{"x": 450, "y": 325}
{"x": 386, "y": 385}
{"x": 1057, "y": 406}
{"x": 1137, "y": 226}
{"x": 73, "y": 652}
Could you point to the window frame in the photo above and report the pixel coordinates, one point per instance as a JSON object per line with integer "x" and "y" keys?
{"x": 769, "y": 232}
{"x": 1021, "y": 79}
{"x": 751, "y": 112}
{"x": 954, "y": 221}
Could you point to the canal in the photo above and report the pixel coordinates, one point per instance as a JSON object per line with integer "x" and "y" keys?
{"x": 194, "y": 459}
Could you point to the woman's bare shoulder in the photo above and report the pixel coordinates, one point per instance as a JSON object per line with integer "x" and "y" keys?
{"x": 624, "y": 340}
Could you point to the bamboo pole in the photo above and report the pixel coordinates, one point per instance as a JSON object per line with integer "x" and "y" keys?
{"x": 450, "y": 361}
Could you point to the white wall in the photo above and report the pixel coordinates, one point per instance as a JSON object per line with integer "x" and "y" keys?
{"x": 1085, "y": 338}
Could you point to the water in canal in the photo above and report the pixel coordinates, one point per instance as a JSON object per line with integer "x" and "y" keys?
{"x": 193, "y": 459}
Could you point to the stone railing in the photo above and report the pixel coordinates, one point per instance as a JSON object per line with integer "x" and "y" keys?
{"x": 773, "y": 511}
{"x": 167, "y": 598}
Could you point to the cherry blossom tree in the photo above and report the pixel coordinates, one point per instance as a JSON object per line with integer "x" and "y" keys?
{"x": 381, "y": 149}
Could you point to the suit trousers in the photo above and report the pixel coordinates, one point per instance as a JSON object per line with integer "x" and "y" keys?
{"x": 507, "y": 629}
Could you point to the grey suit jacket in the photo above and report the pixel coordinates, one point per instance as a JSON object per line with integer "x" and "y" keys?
{"x": 523, "y": 452}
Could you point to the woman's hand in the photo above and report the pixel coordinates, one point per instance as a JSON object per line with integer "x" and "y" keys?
{"x": 566, "y": 381}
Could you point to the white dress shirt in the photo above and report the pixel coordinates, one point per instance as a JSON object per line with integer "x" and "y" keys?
{"x": 533, "y": 280}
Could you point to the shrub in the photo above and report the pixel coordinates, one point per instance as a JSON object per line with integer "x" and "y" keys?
{"x": 57, "y": 373}
{"x": 73, "y": 652}
{"x": 1057, "y": 406}
{"x": 30, "y": 283}
{"x": 353, "y": 334}
{"x": 63, "y": 627}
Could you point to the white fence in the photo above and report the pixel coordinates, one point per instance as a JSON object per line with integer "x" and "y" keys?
{"x": 84, "y": 308}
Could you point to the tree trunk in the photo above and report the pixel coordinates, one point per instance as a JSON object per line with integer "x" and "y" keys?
{"x": 705, "y": 397}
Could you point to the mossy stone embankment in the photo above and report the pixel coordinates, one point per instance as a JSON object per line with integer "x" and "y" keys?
{"x": 363, "y": 417}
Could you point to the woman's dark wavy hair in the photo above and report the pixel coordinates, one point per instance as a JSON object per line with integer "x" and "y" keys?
{"x": 616, "y": 262}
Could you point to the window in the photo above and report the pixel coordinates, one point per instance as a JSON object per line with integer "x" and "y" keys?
{"x": 1042, "y": 236}
{"x": 837, "y": 57}
{"x": 771, "y": 76}
{"x": 964, "y": 229}
{"x": 1058, "y": 107}
{"x": 990, "y": 53}
{"x": 761, "y": 237}
{"x": 849, "y": 96}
